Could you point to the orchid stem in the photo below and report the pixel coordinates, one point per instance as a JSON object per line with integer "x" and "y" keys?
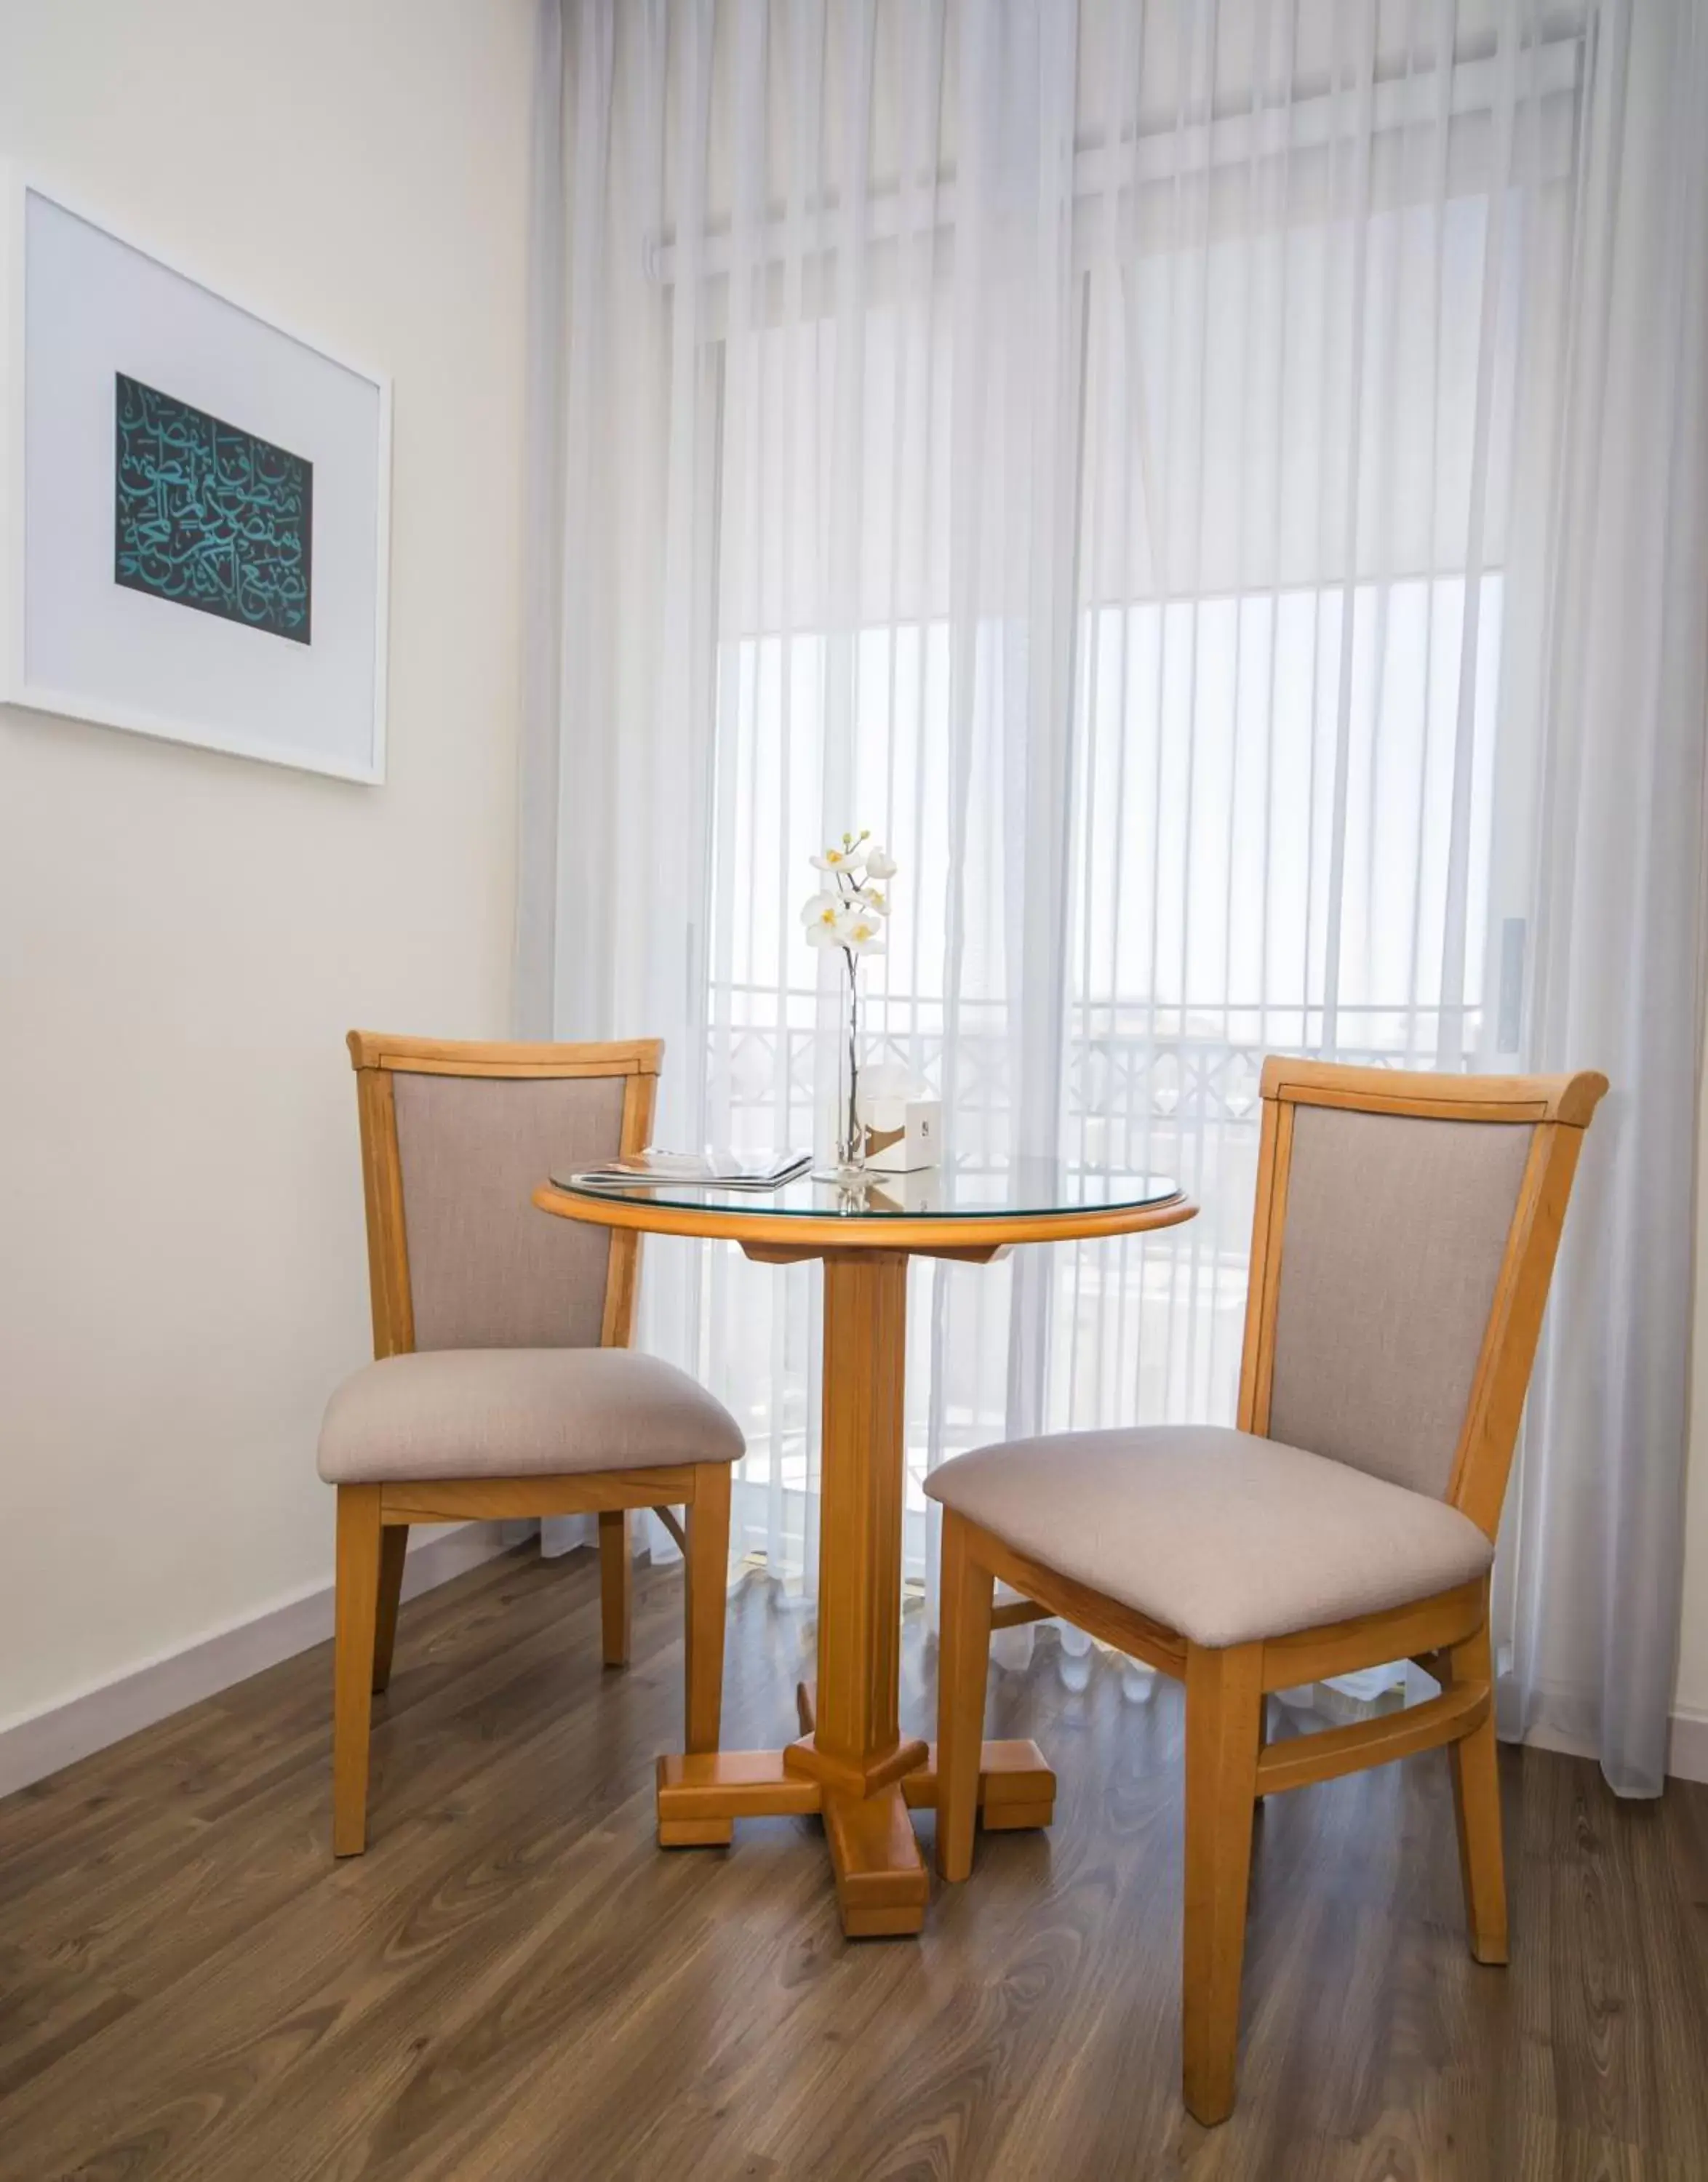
{"x": 851, "y": 1128}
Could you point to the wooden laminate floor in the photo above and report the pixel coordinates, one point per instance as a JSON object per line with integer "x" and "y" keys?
{"x": 514, "y": 1983}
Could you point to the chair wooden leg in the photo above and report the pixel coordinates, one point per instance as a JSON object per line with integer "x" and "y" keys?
{"x": 356, "y": 1619}
{"x": 708, "y": 1602}
{"x": 963, "y": 1661}
{"x": 1477, "y": 1808}
{"x": 394, "y": 1544}
{"x": 616, "y": 1585}
{"x": 1224, "y": 1701}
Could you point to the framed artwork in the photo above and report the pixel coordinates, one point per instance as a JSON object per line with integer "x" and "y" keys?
{"x": 196, "y": 507}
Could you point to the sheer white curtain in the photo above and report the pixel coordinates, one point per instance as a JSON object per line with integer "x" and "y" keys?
{"x": 1136, "y": 459}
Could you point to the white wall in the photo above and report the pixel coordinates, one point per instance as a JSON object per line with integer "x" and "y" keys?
{"x": 185, "y": 938}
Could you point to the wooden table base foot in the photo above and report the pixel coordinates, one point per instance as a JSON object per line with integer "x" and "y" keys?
{"x": 696, "y": 1833}
{"x": 718, "y": 1786}
{"x": 882, "y": 1885}
{"x": 1016, "y": 1786}
{"x": 1015, "y": 1817}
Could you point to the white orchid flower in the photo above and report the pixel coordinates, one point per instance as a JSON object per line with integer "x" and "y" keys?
{"x": 823, "y": 918}
{"x": 861, "y": 930}
{"x": 848, "y": 910}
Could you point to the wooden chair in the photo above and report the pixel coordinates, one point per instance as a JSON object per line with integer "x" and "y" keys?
{"x": 1403, "y": 1241}
{"x": 504, "y": 1385}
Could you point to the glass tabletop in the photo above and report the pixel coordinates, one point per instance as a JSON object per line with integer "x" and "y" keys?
{"x": 1015, "y": 1189}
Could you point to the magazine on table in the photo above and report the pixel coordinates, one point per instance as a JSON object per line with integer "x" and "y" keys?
{"x": 718, "y": 1169}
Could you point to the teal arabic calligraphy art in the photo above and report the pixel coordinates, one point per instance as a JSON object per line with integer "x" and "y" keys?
{"x": 210, "y": 517}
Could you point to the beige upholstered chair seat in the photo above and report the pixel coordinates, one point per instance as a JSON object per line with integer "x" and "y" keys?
{"x": 518, "y": 1413}
{"x": 1222, "y": 1536}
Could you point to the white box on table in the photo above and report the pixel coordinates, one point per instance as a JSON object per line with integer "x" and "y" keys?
{"x": 902, "y": 1135}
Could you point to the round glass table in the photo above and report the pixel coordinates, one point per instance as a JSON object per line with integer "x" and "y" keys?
{"x": 851, "y": 1764}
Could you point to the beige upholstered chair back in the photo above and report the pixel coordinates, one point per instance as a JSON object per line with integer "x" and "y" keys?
{"x": 1397, "y": 1285}
{"x": 486, "y": 1270}
{"x": 1392, "y": 1243}
{"x": 456, "y": 1139}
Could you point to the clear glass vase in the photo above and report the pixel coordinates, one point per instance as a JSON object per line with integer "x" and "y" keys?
{"x": 847, "y": 1161}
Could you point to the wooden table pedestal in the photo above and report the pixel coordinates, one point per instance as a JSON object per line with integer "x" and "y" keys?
{"x": 851, "y": 1764}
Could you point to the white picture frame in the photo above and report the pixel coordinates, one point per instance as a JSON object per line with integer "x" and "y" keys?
{"x": 90, "y": 308}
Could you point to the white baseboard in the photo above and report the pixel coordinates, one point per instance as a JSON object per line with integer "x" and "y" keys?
{"x": 45, "y": 1741}
{"x": 1686, "y": 1757}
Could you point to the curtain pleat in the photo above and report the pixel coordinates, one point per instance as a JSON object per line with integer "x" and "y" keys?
{"x": 1620, "y": 917}
{"x": 1194, "y": 480}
